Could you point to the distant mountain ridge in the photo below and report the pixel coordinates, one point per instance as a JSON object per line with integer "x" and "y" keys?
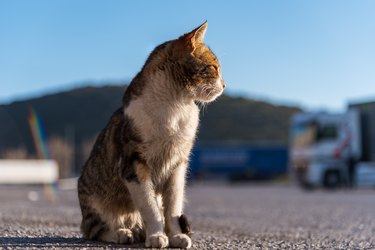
{"x": 81, "y": 113}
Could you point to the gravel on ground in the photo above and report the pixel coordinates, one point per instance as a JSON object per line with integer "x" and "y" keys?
{"x": 223, "y": 216}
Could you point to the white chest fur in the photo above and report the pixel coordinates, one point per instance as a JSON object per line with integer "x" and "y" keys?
{"x": 164, "y": 124}
{"x": 167, "y": 126}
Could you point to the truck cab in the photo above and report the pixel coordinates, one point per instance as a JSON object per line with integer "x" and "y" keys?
{"x": 323, "y": 148}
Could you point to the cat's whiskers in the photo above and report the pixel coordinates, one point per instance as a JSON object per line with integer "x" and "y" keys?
{"x": 207, "y": 91}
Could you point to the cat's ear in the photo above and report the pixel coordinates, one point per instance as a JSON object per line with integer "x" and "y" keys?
{"x": 200, "y": 32}
{"x": 191, "y": 39}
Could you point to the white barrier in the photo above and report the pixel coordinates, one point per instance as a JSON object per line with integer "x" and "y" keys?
{"x": 28, "y": 171}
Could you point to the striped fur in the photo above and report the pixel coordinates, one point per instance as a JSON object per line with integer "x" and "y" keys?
{"x": 131, "y": 188}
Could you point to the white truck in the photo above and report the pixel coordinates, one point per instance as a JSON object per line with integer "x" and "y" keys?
{"x": 333, "y": 150}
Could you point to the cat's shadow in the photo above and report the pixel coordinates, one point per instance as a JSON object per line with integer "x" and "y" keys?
{"x": 55, "y": 241}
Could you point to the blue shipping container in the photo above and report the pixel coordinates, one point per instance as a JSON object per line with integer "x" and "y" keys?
{"x": 239, "y": 162}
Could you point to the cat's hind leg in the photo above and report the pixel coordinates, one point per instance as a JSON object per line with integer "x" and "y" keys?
{"x": 94, "y": 227}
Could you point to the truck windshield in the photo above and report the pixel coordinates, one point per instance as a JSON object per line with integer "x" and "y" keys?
{"x": 306, "y": 134}
{"x": 326, "y": 132}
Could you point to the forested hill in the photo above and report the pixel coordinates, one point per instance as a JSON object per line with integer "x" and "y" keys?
{"x": 79, "y": 114}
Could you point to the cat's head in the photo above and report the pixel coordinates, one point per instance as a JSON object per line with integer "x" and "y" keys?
{"x": 199, "y": 67}
{"x": 193, "y": 66}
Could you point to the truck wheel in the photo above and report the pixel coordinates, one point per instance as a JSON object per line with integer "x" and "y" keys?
{"x": 332, "y": 179}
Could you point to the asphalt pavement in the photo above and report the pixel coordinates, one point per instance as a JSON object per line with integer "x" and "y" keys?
{"x": 223, "y": 216}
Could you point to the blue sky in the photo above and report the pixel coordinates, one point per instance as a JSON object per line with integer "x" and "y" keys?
{"x": 318, "y": 54}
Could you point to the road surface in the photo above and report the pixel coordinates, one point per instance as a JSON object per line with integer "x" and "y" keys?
{"x": 222, "y": 217}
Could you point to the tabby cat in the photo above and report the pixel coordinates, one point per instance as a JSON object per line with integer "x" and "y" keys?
{"x": 131, "y": 188}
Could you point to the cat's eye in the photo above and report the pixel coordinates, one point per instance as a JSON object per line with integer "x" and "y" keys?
{"x": 212, "y": 67}
{"x": 209, "y": 68}
{"x": 215, "y": 67}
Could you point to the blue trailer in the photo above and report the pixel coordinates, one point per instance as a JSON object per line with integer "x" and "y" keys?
{"x": 238, "y": 162}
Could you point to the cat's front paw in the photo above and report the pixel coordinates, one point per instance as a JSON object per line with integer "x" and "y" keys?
{"x": 158, "y": 240}
{"x": 180, "y": 240}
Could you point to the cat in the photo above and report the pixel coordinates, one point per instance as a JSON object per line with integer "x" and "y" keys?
{"x": 131, "y": 189}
